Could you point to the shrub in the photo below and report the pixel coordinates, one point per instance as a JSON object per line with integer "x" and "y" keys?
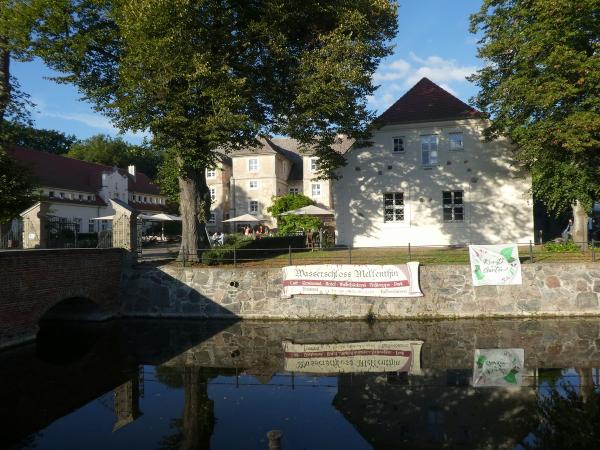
{"x": 250, "y": 249}
{"x": 561, "y": 247}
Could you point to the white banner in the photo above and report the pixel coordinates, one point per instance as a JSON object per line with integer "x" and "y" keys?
{"x": 495, "y": 265}
{"x": 370, "y": 356}
{"x": 348, "y": 279}
{"x": 498, "y": 367}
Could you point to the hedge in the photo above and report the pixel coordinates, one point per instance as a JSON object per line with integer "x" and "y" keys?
{"x": 251, "y": 249}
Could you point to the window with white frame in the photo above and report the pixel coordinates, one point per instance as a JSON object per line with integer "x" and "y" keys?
{"x": 314, "y": 164}
{"x": 315, "y": 189}
{"x": 253, "y": 184}
{"x": 61, "y": 195}
{"x": 456, "y": 141}
{"x": 253, "y": 206}
{"x": 398, "y": 144}
{"x": 77, "y": 222}
{"x": 91, "y": 226}
{"x": 51, "y": 194}
{"x": 294, "y": 190}
{"x": 212, "y": 218}
{"x": 429, "y": 150}
{"x": 80, "y": 196}
{"x": 211, "y": 173}
{"x": 253, "y": 165}
{"x": 453, "y": 204}
{"x": 90, "y": 198}
{"x": 393, "y": 207}
{"x": 213, "y": 194}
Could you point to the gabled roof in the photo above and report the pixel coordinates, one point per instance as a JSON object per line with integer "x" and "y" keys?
{"x": 61, "y": 172}
{"x": 426, "y": 102}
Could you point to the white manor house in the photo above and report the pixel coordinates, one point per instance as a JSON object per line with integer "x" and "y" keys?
{"x": 430, "y": 178}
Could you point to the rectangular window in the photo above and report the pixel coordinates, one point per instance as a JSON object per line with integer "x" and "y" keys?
{"x": 294, "y": 190}
{"x": 51, "y": 194}
{"x": 456, "y": 141}
{"x": 213, "y": 194}
{"x": 393, "y": 207}
{"x": 399, "y": 144}
{"x": 145, "y": 200}
{"x": 253, "y": 207}
{"x": 253, "y": 165}
{"x": 429, "y": 150}
{"x": 90, "y": 198}
{"x": 61, "y": 195}
{"x": 91, "y": 226}
{"x": 211, "y": 173}
{"x": 314, "y": 164}
{"x": 80, "y": 196}
{"x": 453, "y": 204}
{"x": 315, "y": 189}
{"x": 253, "y": 184}
{"x": 77, "y": 223}
{"x": 213, "y": 218}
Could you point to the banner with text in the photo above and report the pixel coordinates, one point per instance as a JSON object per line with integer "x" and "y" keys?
{"x": 349, "y": 279}
{"x": 371, "y": 356}
{"x": 495, "y": 265}
{"x": 498, "y": 367}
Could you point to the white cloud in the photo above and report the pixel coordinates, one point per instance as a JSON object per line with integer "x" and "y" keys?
{"x": 400, "y": 75}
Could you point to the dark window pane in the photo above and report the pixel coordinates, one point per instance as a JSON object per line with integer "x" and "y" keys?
{"x": 447, "y": 214}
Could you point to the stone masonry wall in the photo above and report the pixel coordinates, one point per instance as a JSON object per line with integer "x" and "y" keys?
{"x": 547, "y": 290}
{"x": 33, "y": 281}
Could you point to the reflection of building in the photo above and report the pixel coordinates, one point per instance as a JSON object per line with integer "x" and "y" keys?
{"x": 430, "y": 178}
{"x": 127, "y": 403}
{"x": 434, "y": 410}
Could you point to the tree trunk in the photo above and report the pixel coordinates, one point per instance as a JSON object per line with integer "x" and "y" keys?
{"x": 4, "y": 80}
{"x": 194, "y": 199}
{"x": 580, "y": 226}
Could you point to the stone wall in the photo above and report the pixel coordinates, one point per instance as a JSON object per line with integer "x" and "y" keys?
{"x": 547, "y": 290}
{"x": 33, "y": 281}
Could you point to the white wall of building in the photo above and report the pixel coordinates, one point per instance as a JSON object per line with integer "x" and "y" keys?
{"x": 497, "y": 202}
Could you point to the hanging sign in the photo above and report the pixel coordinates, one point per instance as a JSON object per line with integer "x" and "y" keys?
{"x": 370, "y": 356}
{"x": 495, "y": 265}
{"x": 498, "y": 367}
{"x": 348, "y": 279}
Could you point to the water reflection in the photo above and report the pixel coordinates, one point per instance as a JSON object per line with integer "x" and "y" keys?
{"x": 220, "y": 385}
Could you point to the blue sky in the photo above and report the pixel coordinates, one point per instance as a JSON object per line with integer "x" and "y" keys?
{"x": 433, "y": 41}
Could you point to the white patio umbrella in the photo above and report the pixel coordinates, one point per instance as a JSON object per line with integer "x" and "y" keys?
{"x": 162, "y": 218}
{"x": 103, "y": 218}
{"x": 243, "y": 218}
{"x": 310, "y": 210}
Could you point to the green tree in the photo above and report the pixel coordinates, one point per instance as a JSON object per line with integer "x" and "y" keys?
{"x": 50, "y": 141}
{"x": 540, "y": 86}
{"x": 292, "y": 223}
{"x": 207, "y": 76}
{"x": 104, "y": 149}
{"x": 18, "y": 190}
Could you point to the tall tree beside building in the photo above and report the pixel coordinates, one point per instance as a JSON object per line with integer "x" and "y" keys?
{"x": 50, "y": 141}
{"x": 541, "y": 86}
{"x": 210, "y": 75}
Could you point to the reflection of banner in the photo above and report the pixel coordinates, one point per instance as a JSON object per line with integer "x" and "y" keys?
{"x": 348, "y": 279}
{"x": 376, "y": 356}
{"x": 495, "y": 264}
{"x": 498, "y": 367}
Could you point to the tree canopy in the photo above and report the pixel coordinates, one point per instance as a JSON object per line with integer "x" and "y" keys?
{"x": 116, "y": 152}
{"x": 208, "y": 75}
{"x": 292, "y": 223}
{"x": 50, "y": 141}
{"x": 18, "y": 190}
{"x": 540, "y": 86}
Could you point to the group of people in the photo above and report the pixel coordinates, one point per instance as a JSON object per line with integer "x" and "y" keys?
{"x": 258, "y": 233}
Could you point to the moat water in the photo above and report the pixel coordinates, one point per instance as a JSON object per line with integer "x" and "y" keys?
{"x": 137, "y": 384}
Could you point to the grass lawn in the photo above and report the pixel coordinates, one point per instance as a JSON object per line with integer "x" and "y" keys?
{"x": 399, "y": 255}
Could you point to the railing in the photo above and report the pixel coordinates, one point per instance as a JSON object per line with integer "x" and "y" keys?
{"x": 529, "y": 253}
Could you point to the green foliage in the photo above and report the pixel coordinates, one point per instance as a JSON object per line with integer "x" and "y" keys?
{"x": 18, "y": 190}
{"x": 568, "y": 420}
{"x": 541, "y": 86}
{"x": 104, "y": 149}
{"x": 562, "y": 247}
{"x": 50, "y": 141}
{"x": 292, "y": 223}
{"x": 250, "y": 249}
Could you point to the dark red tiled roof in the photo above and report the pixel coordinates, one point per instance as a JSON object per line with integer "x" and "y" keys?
{"x": 61, "y": 172}
{"x": 146, "y": 206}
{"x": 424, "y": 102}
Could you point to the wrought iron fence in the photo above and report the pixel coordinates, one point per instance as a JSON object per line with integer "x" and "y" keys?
{"x": 529, "y": 253}
{"x": 14, "y": 238}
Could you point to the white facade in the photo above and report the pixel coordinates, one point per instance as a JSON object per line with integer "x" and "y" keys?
{"x": 417, "y": 184}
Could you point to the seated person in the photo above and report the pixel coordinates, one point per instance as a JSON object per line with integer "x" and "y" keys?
{"x": 218, "y": 238}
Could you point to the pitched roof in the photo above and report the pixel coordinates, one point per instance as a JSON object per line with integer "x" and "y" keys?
{"x": 61, "y": 172}
{"x": 424, "y": 102}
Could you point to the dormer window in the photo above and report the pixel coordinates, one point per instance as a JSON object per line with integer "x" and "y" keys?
{"x": 398, "y": 144}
